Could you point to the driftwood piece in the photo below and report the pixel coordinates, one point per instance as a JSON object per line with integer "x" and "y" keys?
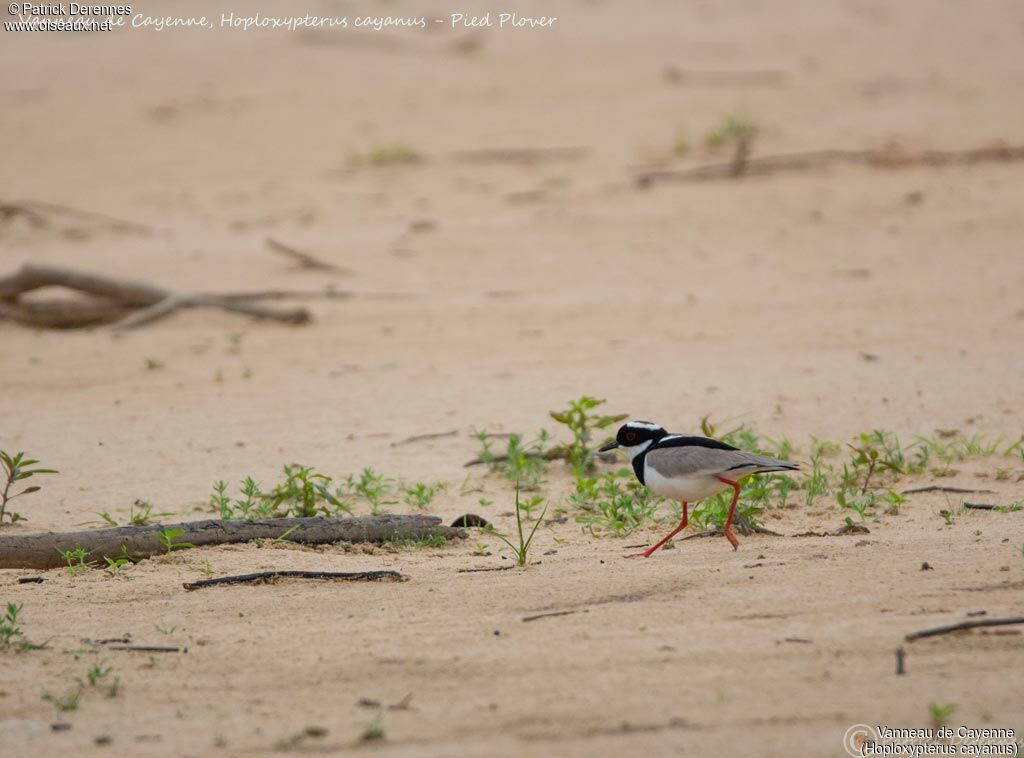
{"x": 891, "y": 157}
{"x": 267, "y": 577}
{"x": 949, "y": 629}
{"x": 123, "y": 302}
{"x": 41, "y": 550}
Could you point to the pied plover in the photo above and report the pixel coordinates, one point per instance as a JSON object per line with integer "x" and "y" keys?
{"x": 688, "y": 469}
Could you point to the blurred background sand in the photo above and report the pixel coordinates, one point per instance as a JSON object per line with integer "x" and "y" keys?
{"x": 825, "y": 302}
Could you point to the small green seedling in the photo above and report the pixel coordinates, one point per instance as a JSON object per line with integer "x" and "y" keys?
{"x": 940, "y": 714}
{"x": 374, "y": 731}
{"x": 520, "y": 552}
{"x": 96, "y": 673}
{"x": 9, "y": 629}
{"x": 154, "y": 364}
{"x": 16, "y": 468}
{"x": 420, "y": 495}
{"x": 393, "y": 155}
{"x": 167, "y": 538}
{"x": 116, "y": 566}
{"x": 740, "y": 133}
{"x": 141, "y": 517}
{"x": 581, "y": 452}
{"x": 61, "y": 705}
{"x": 76, "y": 559}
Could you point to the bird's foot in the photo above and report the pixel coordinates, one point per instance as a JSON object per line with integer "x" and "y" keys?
{"x": 732, "y": 539}
{"x": 645, "y": 554}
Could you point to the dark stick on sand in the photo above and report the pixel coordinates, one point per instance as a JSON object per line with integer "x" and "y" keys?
{"x": 963, "y": 625}
{"x": 267, "y": 577}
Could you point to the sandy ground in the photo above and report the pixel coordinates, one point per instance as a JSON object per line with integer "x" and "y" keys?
{"x": 534, "y": 284}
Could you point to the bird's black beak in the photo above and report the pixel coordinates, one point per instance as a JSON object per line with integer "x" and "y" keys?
{"x": 609, "y": 447}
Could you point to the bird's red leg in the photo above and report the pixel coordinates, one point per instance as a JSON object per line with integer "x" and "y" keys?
{"x": 732, "y": 510}
{"x": 647, "y": 553}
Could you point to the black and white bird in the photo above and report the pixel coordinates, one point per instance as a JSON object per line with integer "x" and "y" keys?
{"x": 688, "y": 469}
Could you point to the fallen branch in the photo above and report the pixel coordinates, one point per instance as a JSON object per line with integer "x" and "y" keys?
{"x": 963, "y": 625}
{"x": 138, "y": 542}
{"x": 940, "y": 488}
{"x": 304, "y": 260}
{"x": 147, "y": 649}
{"x": 126, "y": 303}
{"x": 267, "y": 577}
{"x": 891, "y": 157}
{"x": 481, "y": 570}
{"x": 981, "y": 506}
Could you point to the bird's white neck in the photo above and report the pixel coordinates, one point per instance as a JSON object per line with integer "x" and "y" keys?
{"x": 634, "y": 450}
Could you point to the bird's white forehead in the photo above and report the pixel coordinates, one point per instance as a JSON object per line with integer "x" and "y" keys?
{"x": 643, "y": 425}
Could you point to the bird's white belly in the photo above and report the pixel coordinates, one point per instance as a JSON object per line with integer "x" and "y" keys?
{"x": 689, "y": 488}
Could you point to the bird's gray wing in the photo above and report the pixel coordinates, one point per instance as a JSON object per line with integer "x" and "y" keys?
{"x": 696, "y": 460}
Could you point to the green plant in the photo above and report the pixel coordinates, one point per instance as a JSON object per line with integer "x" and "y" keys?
{"x": 371, "y": 487}
{"x": 940, "y": 714}
{"x": 521, "y": 550}
{"x": 167, "y": 538}
{"x": 893, "y": 500}
{"x": 206, "y": 569}
{"x": 303, "y": 493}
{"x": 17, "y": 468}
{"x": 395, "y": 154}
{"x": 116, "y": 566}
{"x": 420, "y": 495}
{"x": 67, "y": 703}
{"x": 616, "y": 504}
{"x": 96, "y": 673}
{"x": 9, "y": 628}
{"x": 815, "y": 482}
{"x": 523, "y": 464}
{"x": 374, "y": 731}
{"x": 425, "y": 541}
{"x": 738, "y": 131}
{"x": 76, "y": 559}
{"x": 143, "y": 517}
{"x": 154, "y": 364}
{"x": 860, "y": 504}
{"x": 580, "y": 453}
{"x": 252, "y": 504}
{"x": 714, "y": 511}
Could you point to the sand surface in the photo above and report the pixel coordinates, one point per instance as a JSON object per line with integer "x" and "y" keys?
{"x": 827, "y": 302}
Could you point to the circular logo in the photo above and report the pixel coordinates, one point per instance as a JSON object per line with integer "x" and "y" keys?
{"x": 855, "y": 737}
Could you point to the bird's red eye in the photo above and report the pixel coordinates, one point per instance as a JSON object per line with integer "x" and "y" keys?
{"x": 630, "y": 436}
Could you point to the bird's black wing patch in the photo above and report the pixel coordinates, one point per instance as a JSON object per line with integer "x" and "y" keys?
{"x": 681, "y": 441}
